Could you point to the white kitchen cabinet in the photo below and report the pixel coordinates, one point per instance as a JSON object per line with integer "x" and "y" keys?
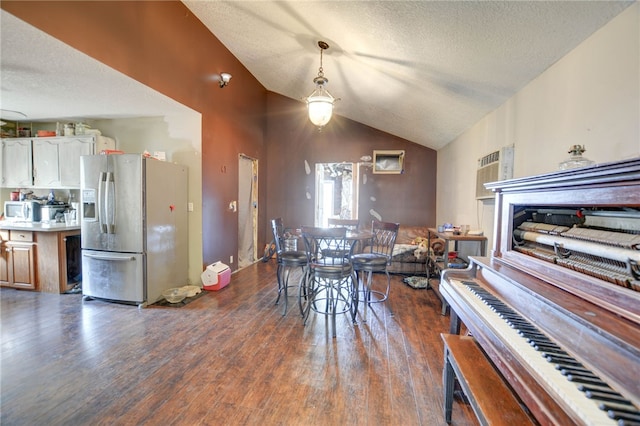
{"x": 44, "y": 162}
{"x": 56, "y": 161}
{"x": 17, "y": 169}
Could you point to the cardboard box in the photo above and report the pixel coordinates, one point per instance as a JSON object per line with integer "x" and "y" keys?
{"x": 216, "y": 276}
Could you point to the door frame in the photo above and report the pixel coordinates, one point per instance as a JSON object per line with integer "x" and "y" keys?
{"x": 252, "y": 213}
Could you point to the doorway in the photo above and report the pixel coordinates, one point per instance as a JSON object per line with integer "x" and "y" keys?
{"x": 336, "y": 192}
{"x": 247, "y": 210}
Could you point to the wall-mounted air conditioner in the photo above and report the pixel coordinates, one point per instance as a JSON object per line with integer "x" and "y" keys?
{"x": 493, "y": 167}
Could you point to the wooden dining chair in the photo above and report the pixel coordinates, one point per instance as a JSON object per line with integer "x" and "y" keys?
{"x": 375, "y": 257}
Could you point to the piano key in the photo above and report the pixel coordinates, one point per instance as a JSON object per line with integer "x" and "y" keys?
{"x": 578, "y": 372}
{"x": 622, "y": 422}
{"x": 554, "y": 359}
{"x": 608, "y": 397}
{"x": 587, "y": 380}
{"x": 624, "y": 416}
{"x": 607, "y": 389}
{"x": 535, "y": 336}
{"x": 564, "y": 391}
{"x": 547, "y": 349}
{"x": 623, "y": 408}
{"x": 533, "y": 341}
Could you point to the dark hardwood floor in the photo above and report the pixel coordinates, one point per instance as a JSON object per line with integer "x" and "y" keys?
{"x": 229, "y": 357}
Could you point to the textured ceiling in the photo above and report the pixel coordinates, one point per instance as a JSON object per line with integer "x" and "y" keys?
{"x": 422, "y": 70}
{"x": 425, "y": 71}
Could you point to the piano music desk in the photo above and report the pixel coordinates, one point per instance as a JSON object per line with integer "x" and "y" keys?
{"x": 493, "y": 402}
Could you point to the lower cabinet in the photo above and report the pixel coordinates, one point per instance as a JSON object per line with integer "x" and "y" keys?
{"x": 4, "y": 261}
{"x": 57, "y": 270}
{"x": 54, "y": 268}
{"x": 18, "y": 261}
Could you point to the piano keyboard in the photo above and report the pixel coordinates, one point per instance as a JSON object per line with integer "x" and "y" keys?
{"x": 588, "y": 397}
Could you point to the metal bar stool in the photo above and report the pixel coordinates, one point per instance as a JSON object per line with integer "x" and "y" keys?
{"x": 330, "y": 285}
{"x": 375, "y": 257}
{"x": 288, "y": 258}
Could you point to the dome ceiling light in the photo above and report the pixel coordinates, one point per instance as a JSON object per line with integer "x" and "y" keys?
{"x": 320, "y": 102}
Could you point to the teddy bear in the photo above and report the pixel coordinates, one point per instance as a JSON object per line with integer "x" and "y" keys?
{"x": 421, "y": 251}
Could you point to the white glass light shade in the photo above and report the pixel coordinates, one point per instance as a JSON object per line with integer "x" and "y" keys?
{"x": 320, "y": 105}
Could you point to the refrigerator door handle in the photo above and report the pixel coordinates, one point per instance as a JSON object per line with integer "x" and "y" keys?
{"x": 109, "y": 257}
{"x": 101, "y": 202}
{"x": 110, "y": 203}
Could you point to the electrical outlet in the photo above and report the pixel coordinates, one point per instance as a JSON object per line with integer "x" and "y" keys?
{"x": 230, "y": 259}
{"x": 190, "y": 207}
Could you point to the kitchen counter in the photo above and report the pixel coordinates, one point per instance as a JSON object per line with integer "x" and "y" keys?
{"x": 39, "y": 256}
{"x": 38, "y": 226}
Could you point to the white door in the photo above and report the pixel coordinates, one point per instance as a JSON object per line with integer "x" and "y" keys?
{"x": 247, "y": 210}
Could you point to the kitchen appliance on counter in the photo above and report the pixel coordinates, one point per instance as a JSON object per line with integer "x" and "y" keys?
{"x": 53, "y": 212}
{"x": 133, "y": 214}
{"x": 23, "y": 211}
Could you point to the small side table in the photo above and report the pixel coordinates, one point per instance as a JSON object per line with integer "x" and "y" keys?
{"x": 440, "y": 264}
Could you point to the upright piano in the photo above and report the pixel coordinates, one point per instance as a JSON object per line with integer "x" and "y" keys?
{"x": 556, "y": 307}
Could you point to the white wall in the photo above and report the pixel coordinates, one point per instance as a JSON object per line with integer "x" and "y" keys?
{"x": 180, "y": 137}
{"x": 590, "y": 97}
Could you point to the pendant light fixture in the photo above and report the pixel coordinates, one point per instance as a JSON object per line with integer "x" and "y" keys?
{"x": 320, "y": 102}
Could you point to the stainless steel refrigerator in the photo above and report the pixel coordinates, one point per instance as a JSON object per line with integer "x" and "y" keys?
{"x": 134, "y": 227}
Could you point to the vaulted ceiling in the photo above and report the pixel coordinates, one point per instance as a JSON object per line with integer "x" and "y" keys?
{"x": 425, "y": 71}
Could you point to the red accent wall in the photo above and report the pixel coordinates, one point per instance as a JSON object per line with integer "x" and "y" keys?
{"x": 162, "y": 45}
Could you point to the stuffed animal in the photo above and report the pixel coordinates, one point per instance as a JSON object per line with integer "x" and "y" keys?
{"x": 420, "y": 240}
{"x": 421, "y": 251}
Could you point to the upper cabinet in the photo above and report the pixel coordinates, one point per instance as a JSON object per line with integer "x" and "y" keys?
{"x": 17, "y": 171}
{"x": 52, "y": 162}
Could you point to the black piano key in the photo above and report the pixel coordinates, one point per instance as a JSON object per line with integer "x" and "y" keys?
{"x": 536, "y": 341}
{"x": 578, "y": 372}
{"x": 535, "y": 336}
{"x": 546, "y": 347}
{"x": 602, "y": 389}
{"x": 622, "y": 422}
{"x": 559, "y": 358}
{"x": 509, "y": 315}
{"x": 522, "y": 327}
{"x": 582, "y": 379}
{"x": 562, "y": 356}
{"x": 607, "y": 397}
{"x": 622, "y": 408}
{"x": 562, "y": 361}
{"x": 515, "y": 321}
{"x": 623, "y": 416}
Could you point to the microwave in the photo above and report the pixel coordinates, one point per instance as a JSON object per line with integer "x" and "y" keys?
{"x": 28, "y": 211}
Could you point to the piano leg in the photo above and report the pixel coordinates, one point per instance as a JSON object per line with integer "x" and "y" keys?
{"x": 455, "y": 323}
